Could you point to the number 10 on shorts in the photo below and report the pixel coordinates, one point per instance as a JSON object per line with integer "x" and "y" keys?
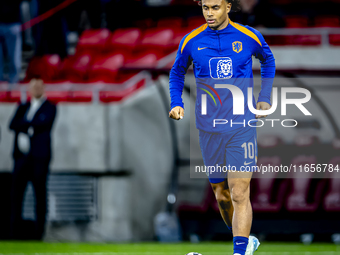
{"x": 248, "y": 150}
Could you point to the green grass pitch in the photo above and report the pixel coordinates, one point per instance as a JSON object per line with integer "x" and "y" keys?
{"x": 40, "y": 248}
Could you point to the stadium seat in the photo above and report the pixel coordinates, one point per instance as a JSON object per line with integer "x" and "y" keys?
{"x": 334, "y": 39}
{"x": 270, "y": 145}
{"x": 178, "y": 36}
{"x": 75, "y": 68}
{"x": 93, "y": 41}
{"x": 287, "y": 40}
{"x": 105, "y": 68}
{"x": 10, "y": 96}
{"x": 143, "y": 61}
{"x": 332, "y": 199}
{"x": 300, "y": 185}
{"x": 156, "y": 39}
{"x": 269, "y": 191}
{"x": 307, "y": 40}
{"x": 124, "y": 41}
{"x": 306, "y": 144}
{"x": 47, "y": 67}
{"x": 118, "y": 95}
{"x": 202, "y": 207}
{"x": 296, "y": 21}
{"x": 327, "y": 21}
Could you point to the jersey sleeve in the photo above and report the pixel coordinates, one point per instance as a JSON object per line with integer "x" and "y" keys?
{"x": 267, "y": 60}
{"x": 177, "y": 75}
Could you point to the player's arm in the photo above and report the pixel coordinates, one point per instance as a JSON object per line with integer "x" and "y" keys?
{"x": 267, "y": 60}
{"x": 176, "y": 84}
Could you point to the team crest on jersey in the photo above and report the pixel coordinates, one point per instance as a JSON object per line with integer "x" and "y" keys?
{"x": 237, "y": 46}
{"x": 221, "y": 68}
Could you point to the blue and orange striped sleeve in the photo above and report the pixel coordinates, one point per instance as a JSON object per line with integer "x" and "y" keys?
{"x": 177, "y": 74}
{"x": 268, "y": 68}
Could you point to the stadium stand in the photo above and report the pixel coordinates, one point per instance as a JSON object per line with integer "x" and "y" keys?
{"x": 93, "y": 41}
{"x": 268, "y": 191}
{"x": 331, "y": 201}
{"x": 300, "y": 186}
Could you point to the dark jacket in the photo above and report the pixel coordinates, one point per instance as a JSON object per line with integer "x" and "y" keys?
{"x": 42, "y": 124}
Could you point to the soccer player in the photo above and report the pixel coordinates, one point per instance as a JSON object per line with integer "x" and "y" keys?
{"x": 221, "y": 52}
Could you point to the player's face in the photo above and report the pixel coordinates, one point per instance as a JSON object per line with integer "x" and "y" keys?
{"x": 216, "y": 13}
{"x": 37, "y": 88}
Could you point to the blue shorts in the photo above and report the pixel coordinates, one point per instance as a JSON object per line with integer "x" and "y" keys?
{"x": 234, "y": 150}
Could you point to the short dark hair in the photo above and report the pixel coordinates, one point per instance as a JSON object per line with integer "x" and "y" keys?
{"x": 235, "y": 4}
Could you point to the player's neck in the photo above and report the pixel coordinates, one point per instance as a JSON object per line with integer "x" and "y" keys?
{"x": 223, "y": 25}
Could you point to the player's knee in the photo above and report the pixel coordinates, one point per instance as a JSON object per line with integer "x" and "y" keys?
{"x": 223, "y": 199}
{"x": 239, "y": 195}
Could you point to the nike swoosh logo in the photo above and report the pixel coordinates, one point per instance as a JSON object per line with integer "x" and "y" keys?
{"x": 245, "y": 163}
{"x": 202, "y": 48}
{"x": 239, "y": 243}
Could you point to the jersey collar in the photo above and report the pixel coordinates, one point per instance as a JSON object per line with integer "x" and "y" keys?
{"x": 222, "y": 31}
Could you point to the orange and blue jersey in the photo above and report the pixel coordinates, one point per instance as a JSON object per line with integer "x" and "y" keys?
{"x": 222, "y": 57}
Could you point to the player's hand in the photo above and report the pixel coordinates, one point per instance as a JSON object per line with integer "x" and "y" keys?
{"x": 176, "y": 113}
{"x": 199, "y": 2}
{"x": 262, "y": 106}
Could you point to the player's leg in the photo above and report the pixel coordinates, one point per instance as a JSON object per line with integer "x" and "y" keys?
{"x": 240, "y": 196}
{"x": 213, "y": 152}
{"x": 222, "y": 195}
{"x": 241, "y": 154}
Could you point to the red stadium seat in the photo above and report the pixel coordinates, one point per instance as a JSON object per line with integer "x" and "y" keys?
{"x": 10, "y": 96}
{"x": 170, "y": 22}
{"x": 327, "y": 21}
{"x": 75, "y": 68}
{"x": 334, "y": 39}
{"x": 287, "y": 40}
{"x": 265, "y": 199}
{"x": 296, "y": 21}
{"x": 178, "y": 36}
{"x": 118, "y": 95}
{"x": 156, "y": 39}
{"x": 105, "y": 68}
{"x": 202, "y": 207}
{"x": 301, "y": 180}
{"x": 124, "y": 41}
{"x": 93, "y": 41}
{"x": 47, "y": 67}
{"x": 143, "y": 61}
{"x": 307, "y": 40}
{"x": 332, "y": 199}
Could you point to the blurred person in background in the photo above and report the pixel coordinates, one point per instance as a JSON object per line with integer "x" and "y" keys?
{"x": 10, "y": 38}
{"x": 32, "y": 124}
